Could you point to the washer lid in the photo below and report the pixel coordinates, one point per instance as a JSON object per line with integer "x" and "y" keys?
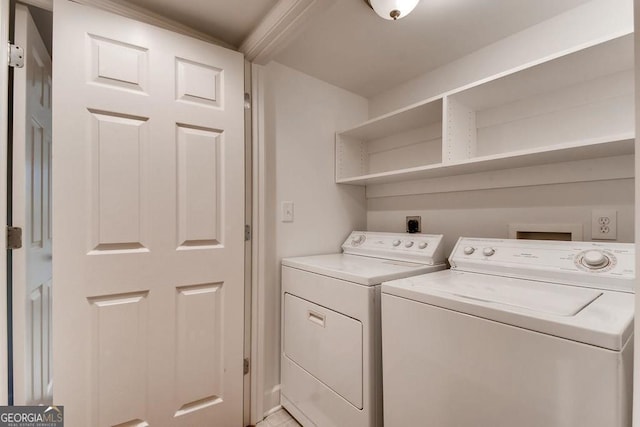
{"x": 359, "y": 269}
{"x": 532, "y": 296}
{"x": 597, "y": 317}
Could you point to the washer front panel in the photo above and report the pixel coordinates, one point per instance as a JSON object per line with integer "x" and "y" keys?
{"x": 445, "y": 368}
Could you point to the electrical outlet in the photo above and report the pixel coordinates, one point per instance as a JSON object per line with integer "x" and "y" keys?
{"x": 604, "y": 224}
{"x": 414, "y": 224}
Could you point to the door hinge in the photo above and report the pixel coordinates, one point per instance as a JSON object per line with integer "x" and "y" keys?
{"x": 16, "y": 56}
{"x": 246, "y": 366}
{"x": 247, "y": 232}
{"x": 247, "y": 101}
{"x": 14, "y": 237}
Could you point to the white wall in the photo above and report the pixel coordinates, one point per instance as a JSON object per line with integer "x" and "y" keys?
{"x": 592, "y": 21}
{"x": 487, "y": 213}
{"x": 301, "y": 117}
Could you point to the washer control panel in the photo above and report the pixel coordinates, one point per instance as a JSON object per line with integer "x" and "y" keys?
{"x": 418, "y": 248}
{"x": 593, "y": 264}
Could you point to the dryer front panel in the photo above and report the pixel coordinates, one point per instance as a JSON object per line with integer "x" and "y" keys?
{"x": 326, "y": 344}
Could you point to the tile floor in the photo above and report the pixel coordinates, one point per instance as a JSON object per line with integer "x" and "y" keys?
{"x": 280, "y": 418}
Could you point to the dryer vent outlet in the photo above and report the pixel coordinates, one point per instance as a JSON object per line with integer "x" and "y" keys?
{"x": 414, "y": 224}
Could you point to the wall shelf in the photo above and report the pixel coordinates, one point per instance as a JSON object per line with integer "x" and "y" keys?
{"x": 575, "y": 107}
{"x": 517, "y": 159}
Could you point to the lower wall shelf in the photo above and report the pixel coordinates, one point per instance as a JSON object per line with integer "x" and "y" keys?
{"x": 615, "y": 146}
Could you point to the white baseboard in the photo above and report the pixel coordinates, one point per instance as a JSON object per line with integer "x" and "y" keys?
{"x": 272, "y": 411}
{"x": 271, "y": 401}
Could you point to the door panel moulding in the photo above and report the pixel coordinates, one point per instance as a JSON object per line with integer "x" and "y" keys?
{"x": 280, "y": 26}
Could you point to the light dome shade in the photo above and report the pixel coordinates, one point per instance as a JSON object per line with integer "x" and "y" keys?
{"x": 393, "y": 9}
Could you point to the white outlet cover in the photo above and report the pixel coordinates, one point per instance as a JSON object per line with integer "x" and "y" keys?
{"x": 604, "y": 224}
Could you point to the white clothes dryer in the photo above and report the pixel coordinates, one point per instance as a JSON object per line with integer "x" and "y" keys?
{"x": 517, "y": 333}
{"x": 331, "y": 369}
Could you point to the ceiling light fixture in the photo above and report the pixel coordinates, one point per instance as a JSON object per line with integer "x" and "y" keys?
{"x": 392, "y": 9}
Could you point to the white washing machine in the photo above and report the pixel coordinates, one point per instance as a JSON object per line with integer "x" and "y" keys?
{"x": 518, "y": 333}
{"x": 331, "y": 370}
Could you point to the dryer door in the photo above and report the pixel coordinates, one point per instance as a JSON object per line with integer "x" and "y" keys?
{"x": 326, "y": 344}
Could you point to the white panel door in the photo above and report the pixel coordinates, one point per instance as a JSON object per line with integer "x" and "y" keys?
{"x": 148, "y": 196}
{"x": 31, "y": 212}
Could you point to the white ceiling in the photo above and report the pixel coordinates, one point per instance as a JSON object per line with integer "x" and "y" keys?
{"x": 351, "y": 47}
{"x": 348, "y": 45}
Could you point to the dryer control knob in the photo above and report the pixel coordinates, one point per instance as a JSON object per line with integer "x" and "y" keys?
{"x": 469, "y": 250}
{"x": 488, "y": 251}
{"x": 423, "y": 245}
{"x": 357, "y": 240}
{"x": 595, "y": 259}
{"x": 396, "y": 243}
{"x": 408, "y": 244}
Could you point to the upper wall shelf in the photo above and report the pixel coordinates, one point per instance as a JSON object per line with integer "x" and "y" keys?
{"x": 412, "y": 117}
{"x": 574, "y": 107}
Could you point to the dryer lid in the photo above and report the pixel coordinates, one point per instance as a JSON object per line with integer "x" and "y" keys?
{"x": 359, "y": 269}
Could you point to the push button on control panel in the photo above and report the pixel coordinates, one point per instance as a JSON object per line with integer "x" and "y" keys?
{"x": 408, "y": 244}
{"x": 396, "y": 243}
{"x": 469, "y": 250}
{"x": 423, "y": 245}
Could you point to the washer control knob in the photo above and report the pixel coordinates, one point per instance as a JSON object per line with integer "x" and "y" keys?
{"x": 595, "y": 259}
{"x": 408, "y": 244}
{"x": 488, "y": 251}
{"x": 469, "y": 250}
{"x": 396, "y": 243}
{"x": 357, "y": 240}
{"x": 423, "y": 245}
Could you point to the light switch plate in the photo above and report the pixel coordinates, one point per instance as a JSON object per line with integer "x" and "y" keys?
{"x": 287, "y": 212}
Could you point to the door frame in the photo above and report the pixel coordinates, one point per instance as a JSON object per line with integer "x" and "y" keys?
{"x": 258, "y": 258}
{"x": 636, "y": 364}
{"x": 4, "y": 130}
